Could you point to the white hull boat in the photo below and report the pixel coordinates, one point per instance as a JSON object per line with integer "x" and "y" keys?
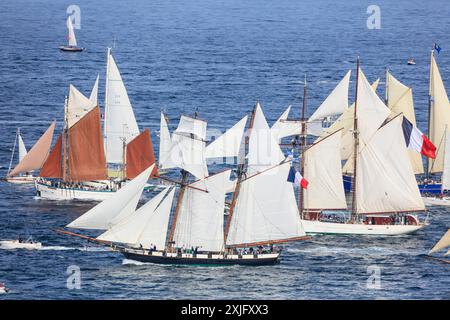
{"x": 44, "y": 191}
{"x": 3, "y": 289}
{"x": 360, "y": 228}
{"x": 434, "y": 201}
{"x": 21, "y": 179}
{"x": 16, "y": 244}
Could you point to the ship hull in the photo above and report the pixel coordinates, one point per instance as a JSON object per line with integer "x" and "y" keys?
{"x": 44, "y": 191}
{"x": 21, "y": 179}
{"x": 70, "y": 49}
{"x": 200, "y": 259}
{"x": 321, "y": 227}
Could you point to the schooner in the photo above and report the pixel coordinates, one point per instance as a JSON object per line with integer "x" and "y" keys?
{"x": 263, "y": 210}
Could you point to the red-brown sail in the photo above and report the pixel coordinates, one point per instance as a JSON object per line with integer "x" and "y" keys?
{"x": 86, "y": 152}
{"x": 140, "y": 155}
{"x": 52, "y": 167}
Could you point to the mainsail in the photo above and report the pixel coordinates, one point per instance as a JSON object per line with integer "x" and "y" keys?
{"x": 439, "y": 116}
{"x": 229, "y": 143}
{"x": 323, "y": 172}
{"x": 22, "y": 148}
{"x": 71, "y": 33}
{"x": 114, "y": 209}
{"x": 200, "y": 217}
{"x": 140, "y": 155}
{"x": 147, "y": 226}
{"x": 37, "y": 155}
{"x": 446, "y": 169}
{"x": 165, "y": 143}
{"x": 53, "y": 166}
{"x": 120, "y": 124}
{"x": 400, "y": 100}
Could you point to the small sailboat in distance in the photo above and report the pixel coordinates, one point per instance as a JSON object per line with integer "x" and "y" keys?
{"x": 72, "y": 41}
{"x": 411, "y": 62}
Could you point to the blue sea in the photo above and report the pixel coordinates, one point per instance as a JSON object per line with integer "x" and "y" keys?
{"x": 219, "y": 58}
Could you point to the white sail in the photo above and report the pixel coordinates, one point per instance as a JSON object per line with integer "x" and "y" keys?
{"x": 71, "y": 33}
{"x": 116, "y": 208}
{"x": 200, "y": 218}
{"x": 229, "y": 143}
{"x": 164, "y": 143}
{"x": 94, "y": 93}
{"x": 443, "y": 243}
{"x": 120, "y": 123}
{"x": 439, "y": 116}
{"x": 22, "y": 148}
{"x": 324, "y": 175}
{"x": 147, "y": 226}
{"x": 400, "y": 100}
{"x": 188, "y": 126}
{"x": 264, "y": 151}
{"x": 78, "y": 105}
{"x": 385, "y": 180}
{"x": 265, "y": 209}
{"x": 345, "y": 124}
{"x": 336, "y": 103}
{"x": 446, "y": 169}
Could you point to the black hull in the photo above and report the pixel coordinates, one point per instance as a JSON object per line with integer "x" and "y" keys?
{"x": 70, "y": 49}
{"x": 200, "y": 261}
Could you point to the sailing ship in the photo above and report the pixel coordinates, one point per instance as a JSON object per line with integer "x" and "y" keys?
{"x": 263, "y": 211}
{"x": 442, "y": 244}
{"x": 77, "y": 168}
{"x": 72, "y": 41}
{"x": 29, "y": 161}
{"x": 385, "y": 195}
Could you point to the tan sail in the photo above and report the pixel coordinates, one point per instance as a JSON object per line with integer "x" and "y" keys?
{"x": 439, "y": 116}
{"x": 86, "y": 153}
{"x": 52, "y": 167}
{"x": 36, "y": 157}
{"x": 400, "y": 100}
{"x": 140, "y": 155}
{"x": 442, "y": 244}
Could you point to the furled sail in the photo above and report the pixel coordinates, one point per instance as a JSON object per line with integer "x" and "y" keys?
{"x": 200, "y": 217}
{"x": 22, "y": 148}
{"x": 78, "y": 105}
{"x": 264, "y": 151}
{"x": 164, "y": 143}
{"x": 187, "y": 149}
{"x": 400, "y": 100}
{"x": 120, "y": 124}
{"x": 52, "y": 167}
{"x": 265, "y": 209}
{"x": 385, "y": 180}
{"x": 86, "y": 153}
{"x": 37, "y": 155}
{"x": 147, "y": 226}
{"x": 324, "y": 174}
{"x": 94, "y": 93}
{"x": 140, "y": 155}
{"x": 71, "y": 33}
{"x": 443, "y": 243}
{"x": 336, "y": 103}
{"x": 116, "y": 208}
{"x": 439, "y": 116}
{"x": 229, "y": 143}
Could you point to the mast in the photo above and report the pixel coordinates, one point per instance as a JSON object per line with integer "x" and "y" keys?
{"x": 430, "y": 101}
{"x": 302, "y": 151}
{"x": 356, "y": 142}
{"x": 65, "y": 138}
{"x": 240, "y": 173}
{"x": 13, "y": 150}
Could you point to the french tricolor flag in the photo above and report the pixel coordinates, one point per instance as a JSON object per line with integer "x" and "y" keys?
{"x": 296, "y": 178}
{"x": 417, "y": 141}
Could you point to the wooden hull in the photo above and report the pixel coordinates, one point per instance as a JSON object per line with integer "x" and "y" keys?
{"x": 70, "y": 49}
{"x": 44, "y": 191}
{"x": 200, "y": 259}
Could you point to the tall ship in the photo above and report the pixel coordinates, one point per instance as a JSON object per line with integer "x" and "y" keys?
{"x": 263, "y": 210}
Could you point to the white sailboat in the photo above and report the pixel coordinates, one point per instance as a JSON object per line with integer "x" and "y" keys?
{"x": 443, "y": 243}
{"x": 72, "y": 40}
{"x": 385, "y": 194}
{"x": 29, "y": 161}
{"x": 263, "y": 211}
